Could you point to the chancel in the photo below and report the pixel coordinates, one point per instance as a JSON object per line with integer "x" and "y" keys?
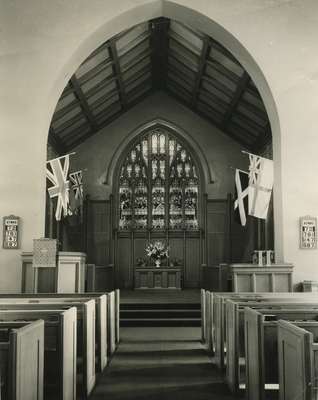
{"x": 158, "y": 199}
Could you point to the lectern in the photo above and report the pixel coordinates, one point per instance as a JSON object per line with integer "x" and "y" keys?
{"x": 67, "y": 277}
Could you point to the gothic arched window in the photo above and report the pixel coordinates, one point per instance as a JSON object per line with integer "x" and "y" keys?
{"x": 158, "y": 184}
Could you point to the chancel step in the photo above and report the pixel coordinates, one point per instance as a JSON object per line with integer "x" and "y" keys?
{"x": 168, "y": 314}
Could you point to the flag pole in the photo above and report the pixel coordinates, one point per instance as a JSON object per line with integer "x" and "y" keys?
{"x": 244, "y": 172}
{"x": 58, "y": 158}
{"x": 252, "y": 154}
{"x": 80, "y": 170}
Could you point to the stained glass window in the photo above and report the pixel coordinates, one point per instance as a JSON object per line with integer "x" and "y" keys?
{"x": 158, "y": 185}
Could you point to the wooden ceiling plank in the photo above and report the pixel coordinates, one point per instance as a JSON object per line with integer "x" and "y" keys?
{"x": 206, "y": 117}
{"x": 95, "y": 71}
{"x": 139, "y": 58}
{"x": 134, "y": 44}
{"x": 182, "y": 61}
{"x": 243, "y": 82}
{"x": 217, "y": 66}
{"x": 202, "y": 64}
{"x": 83, "y": 103}
{"x": 184, "y": 48}
{"x": 218, "y": 86}
{"x": 109, "y": 120}
{"x": 118, "y": 74}
{"x": 102, "y": 85}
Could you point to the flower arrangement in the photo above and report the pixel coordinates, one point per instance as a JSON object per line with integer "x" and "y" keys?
{"x": 157, "y": 251}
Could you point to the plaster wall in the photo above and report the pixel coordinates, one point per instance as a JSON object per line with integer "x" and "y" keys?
{"x": 219, "y": 151}
{"x": 43, "y": 42}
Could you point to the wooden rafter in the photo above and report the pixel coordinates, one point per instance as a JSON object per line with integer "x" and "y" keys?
{"x": 83, "y": 103}
{"x": 242, "y": 84}
{"x": 201, "y": 68}
{"x": 118, "y": 74}
{"x": 159, "y": 51}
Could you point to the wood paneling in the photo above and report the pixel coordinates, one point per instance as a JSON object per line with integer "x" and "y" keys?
{"x": 217, "y": 235}
{"x": 98, "y": 228}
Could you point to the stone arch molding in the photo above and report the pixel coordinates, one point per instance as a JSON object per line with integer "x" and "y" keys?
{"x": 206, "y": 17}
{"x": 107, "y": 178}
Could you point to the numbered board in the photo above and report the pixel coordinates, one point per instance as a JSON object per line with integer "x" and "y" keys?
{"x": 308, "y": 232}
{"x": 11, "y": 232}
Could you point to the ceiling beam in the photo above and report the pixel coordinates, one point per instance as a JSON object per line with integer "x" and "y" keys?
{"x": 201, "y": 69}
{"x": 117, "y": 72}
{"x": 241, "y": 87}
{"x": 159, "y": 51}
{"x": 83, "y": 103}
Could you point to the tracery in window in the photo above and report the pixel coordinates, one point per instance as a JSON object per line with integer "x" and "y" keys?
{"x": 158, "y": 185}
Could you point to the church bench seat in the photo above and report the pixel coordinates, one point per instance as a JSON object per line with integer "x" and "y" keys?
{"x": 100, "y": 313}
{"x": 218, "y": 320}
{"x": 113, "y": 305}
{"x": 235, "y": 342}
{"x": 298, "y": 360}
{"x": 85, "y": 336}
{"x": 59, "y": 347}
{"x": 261, "y": 344}
{"x": 21, "y": 344}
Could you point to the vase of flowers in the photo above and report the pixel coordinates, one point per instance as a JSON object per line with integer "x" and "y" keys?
{"x": 157, "y": 251}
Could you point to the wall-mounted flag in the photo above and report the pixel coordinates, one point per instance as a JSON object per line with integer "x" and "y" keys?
{"x": 76, "y": 179}
{"x": 57, "y": 173}
{"x": 261, "y": 179}
{"x": 241, "y": 190}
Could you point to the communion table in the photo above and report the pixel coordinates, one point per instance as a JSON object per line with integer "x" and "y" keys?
{"x": 158, "y": 278}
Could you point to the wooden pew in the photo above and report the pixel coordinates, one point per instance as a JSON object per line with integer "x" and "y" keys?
{"x": 218, "y": 320}
{"x": 298, "y": 360}
{"x": 203, "y": 316}
{"x": 112, "y": 318}
{"x": 85, "y": 332}
{"x": 59, "y": 347}
{"x": 100, "y": 312}
{"x": 21, "y": 345}
{"x": 261, "y": 345}
{"x": 235, "y": 356}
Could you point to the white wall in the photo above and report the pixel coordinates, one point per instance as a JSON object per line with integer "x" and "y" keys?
{"x": 43, "y": 42}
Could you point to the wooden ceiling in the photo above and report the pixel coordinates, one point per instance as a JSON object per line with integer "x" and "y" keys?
{"x": 160, "y": 55}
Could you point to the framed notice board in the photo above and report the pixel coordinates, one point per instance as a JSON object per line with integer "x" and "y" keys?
{"x": 11, "y": 232}
{"x": 308, "y": 232}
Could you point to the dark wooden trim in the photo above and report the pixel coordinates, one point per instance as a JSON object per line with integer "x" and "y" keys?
{"x": 201, "y": 69}
{"x": 118, "y": 74}
{"x": 241, "y": 87}
{"x": 83, "y": 103}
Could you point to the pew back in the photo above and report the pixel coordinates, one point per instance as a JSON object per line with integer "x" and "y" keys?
{"x": 298, "y": 361}
{"x": 59, "y": 334}
{"x": 235, "y": 336}
{"x": 23, "y": 345}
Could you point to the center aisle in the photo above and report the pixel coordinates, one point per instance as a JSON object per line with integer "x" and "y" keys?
{"x": 166, "y": 363}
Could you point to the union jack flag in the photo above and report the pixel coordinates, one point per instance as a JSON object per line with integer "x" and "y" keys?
{"x": 261, "y": 178}
{"x": 77, "y": 184}
{"x": 57, "y": 175}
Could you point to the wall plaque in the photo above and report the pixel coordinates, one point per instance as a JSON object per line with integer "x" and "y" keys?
{"x": 308, "y": 232}
{"x": 44, "y": 253}
{"x": 11, "y": 232}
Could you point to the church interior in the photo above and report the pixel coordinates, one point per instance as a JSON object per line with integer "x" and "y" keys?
{"x": 158, "y": 201}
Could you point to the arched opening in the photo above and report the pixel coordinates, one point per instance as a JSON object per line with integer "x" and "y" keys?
{"x": 196, "y": 71}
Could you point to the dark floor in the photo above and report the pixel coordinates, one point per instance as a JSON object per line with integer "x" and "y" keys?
{"x": 160, "y": 296}
{"x": 161, "y": 363}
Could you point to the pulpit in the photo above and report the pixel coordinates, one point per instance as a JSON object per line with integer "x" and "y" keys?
{"x": 158, "y": 278}
{"x": 248, "y": 278}
{"x": 67, "y": 277}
